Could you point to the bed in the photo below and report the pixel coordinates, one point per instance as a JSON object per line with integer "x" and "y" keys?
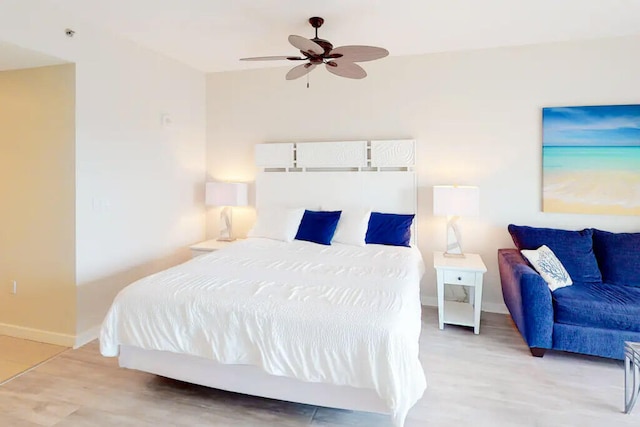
{"x": 334, "y": 326}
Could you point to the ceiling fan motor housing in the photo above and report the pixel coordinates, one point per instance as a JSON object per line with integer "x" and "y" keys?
{"x": 325, "y": 44}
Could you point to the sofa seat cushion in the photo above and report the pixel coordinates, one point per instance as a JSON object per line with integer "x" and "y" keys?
{"x": 601, "y": 305}
{"x": 618, "y": 256}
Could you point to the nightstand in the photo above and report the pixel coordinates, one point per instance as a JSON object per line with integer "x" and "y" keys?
{"x": 208, "y": 246}
{"x": 467, "y": 271}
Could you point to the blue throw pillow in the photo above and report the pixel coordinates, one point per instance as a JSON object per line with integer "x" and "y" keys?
{"x": 574, "y": 249}
{"x": 618, "y": 256}
{"x": 389, "y": 229}
{"x": 318, "y": 227}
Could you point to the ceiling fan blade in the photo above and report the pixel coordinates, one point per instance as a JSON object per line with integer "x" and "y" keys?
{"x": 306, "y": 45}
{"x": 272, "y": 58}
{"x": 346, "y": 69}
{"x": 300, "y": 70}
{"x": 360, "y": 53}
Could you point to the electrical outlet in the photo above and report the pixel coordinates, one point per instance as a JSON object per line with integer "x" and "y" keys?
{"x": 14, "y": 287}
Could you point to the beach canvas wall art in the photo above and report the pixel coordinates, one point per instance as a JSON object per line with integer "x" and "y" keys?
{"x": 591, "y": 159}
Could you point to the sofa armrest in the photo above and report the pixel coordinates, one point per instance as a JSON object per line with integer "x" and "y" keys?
{"x": 527, "y": 297}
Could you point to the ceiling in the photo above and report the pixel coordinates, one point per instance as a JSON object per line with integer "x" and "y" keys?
{"x": 13, "y": 57}
{"x": 211, "y": 35}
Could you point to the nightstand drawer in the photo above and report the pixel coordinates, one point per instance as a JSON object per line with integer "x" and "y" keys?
{"x": 467, "y": 278}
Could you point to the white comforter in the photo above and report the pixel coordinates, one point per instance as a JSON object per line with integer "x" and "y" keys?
{"x": 339, "y": 314}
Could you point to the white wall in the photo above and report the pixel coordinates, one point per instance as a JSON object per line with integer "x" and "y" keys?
{"x": 139, "y": 185}
{"x": 476, "y": 116}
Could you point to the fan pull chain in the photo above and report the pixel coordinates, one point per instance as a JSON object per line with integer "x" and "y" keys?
{"x": 307, "y": 81}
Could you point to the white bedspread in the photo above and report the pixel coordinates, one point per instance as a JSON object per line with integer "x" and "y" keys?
{"x": 338, "y": 314}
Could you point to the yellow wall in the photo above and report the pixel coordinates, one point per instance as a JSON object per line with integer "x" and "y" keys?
{"x": 37, "y": 202}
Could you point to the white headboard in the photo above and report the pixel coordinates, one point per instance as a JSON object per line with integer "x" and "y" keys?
{"x": 378, "y": 175}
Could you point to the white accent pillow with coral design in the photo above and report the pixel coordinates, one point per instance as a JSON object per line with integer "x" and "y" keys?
{"x": 549, "y": 267}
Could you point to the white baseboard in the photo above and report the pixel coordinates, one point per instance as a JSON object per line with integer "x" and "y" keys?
{"x": 428, "y": 301}
{"x": 87, "y": 336}
{"x": 40, "y": 335}
{"x": 495, "y": 307}
{"x": 489, "y": 307}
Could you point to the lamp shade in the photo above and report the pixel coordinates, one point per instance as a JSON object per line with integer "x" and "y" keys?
{"x": 456, "y": 200}
{"x": 226, "y": 194}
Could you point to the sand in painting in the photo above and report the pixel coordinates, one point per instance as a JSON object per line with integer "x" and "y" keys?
{"x": 592, "y": 192}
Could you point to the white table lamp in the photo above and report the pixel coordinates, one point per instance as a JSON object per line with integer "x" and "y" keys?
{"x": 454, "y": 201}
{"x": 226, "y": 195}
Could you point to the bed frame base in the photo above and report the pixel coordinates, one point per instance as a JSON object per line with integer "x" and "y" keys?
{"x": 247, "y": 379}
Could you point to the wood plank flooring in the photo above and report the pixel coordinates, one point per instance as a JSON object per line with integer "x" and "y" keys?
{"x": 18, "y": 355}
{"x": 481, "y": 380}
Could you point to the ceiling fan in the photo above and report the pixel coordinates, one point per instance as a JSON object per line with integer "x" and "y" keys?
{"x": 340, "y": 61}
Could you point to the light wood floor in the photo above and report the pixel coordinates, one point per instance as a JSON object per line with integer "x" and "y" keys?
{"x": 480, "y": 380}
{"x": 18, "y": 355}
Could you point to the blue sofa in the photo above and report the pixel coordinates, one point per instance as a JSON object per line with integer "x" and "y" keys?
{"x": 597, "y": 313}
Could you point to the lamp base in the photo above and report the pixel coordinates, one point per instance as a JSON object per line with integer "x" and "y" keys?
{"x": 454, "y": 248}
{"x": 226, "y": 225}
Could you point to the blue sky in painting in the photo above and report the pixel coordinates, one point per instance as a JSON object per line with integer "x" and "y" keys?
{"x": 613, "y": 126}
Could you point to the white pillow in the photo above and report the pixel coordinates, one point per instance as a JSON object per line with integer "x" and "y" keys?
{"x": 277, "y": 223}
{"x": 352, "y": 227}
{"x": 549, "y": 266}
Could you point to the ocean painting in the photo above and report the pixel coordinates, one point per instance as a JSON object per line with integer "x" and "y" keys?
{"x": 591, "y": 159}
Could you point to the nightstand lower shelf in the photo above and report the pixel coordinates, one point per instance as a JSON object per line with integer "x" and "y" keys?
{"x": 458, "y": 313}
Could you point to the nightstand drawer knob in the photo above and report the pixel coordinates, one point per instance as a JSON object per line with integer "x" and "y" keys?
{"x": 459, "y": 278}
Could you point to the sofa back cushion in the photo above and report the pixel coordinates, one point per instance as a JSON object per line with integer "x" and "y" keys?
{"x": 618, "y": 256}
{"x": 574, "y": 249}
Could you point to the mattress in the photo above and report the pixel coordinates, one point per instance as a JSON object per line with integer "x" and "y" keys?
{"x": 339, "y": 314}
